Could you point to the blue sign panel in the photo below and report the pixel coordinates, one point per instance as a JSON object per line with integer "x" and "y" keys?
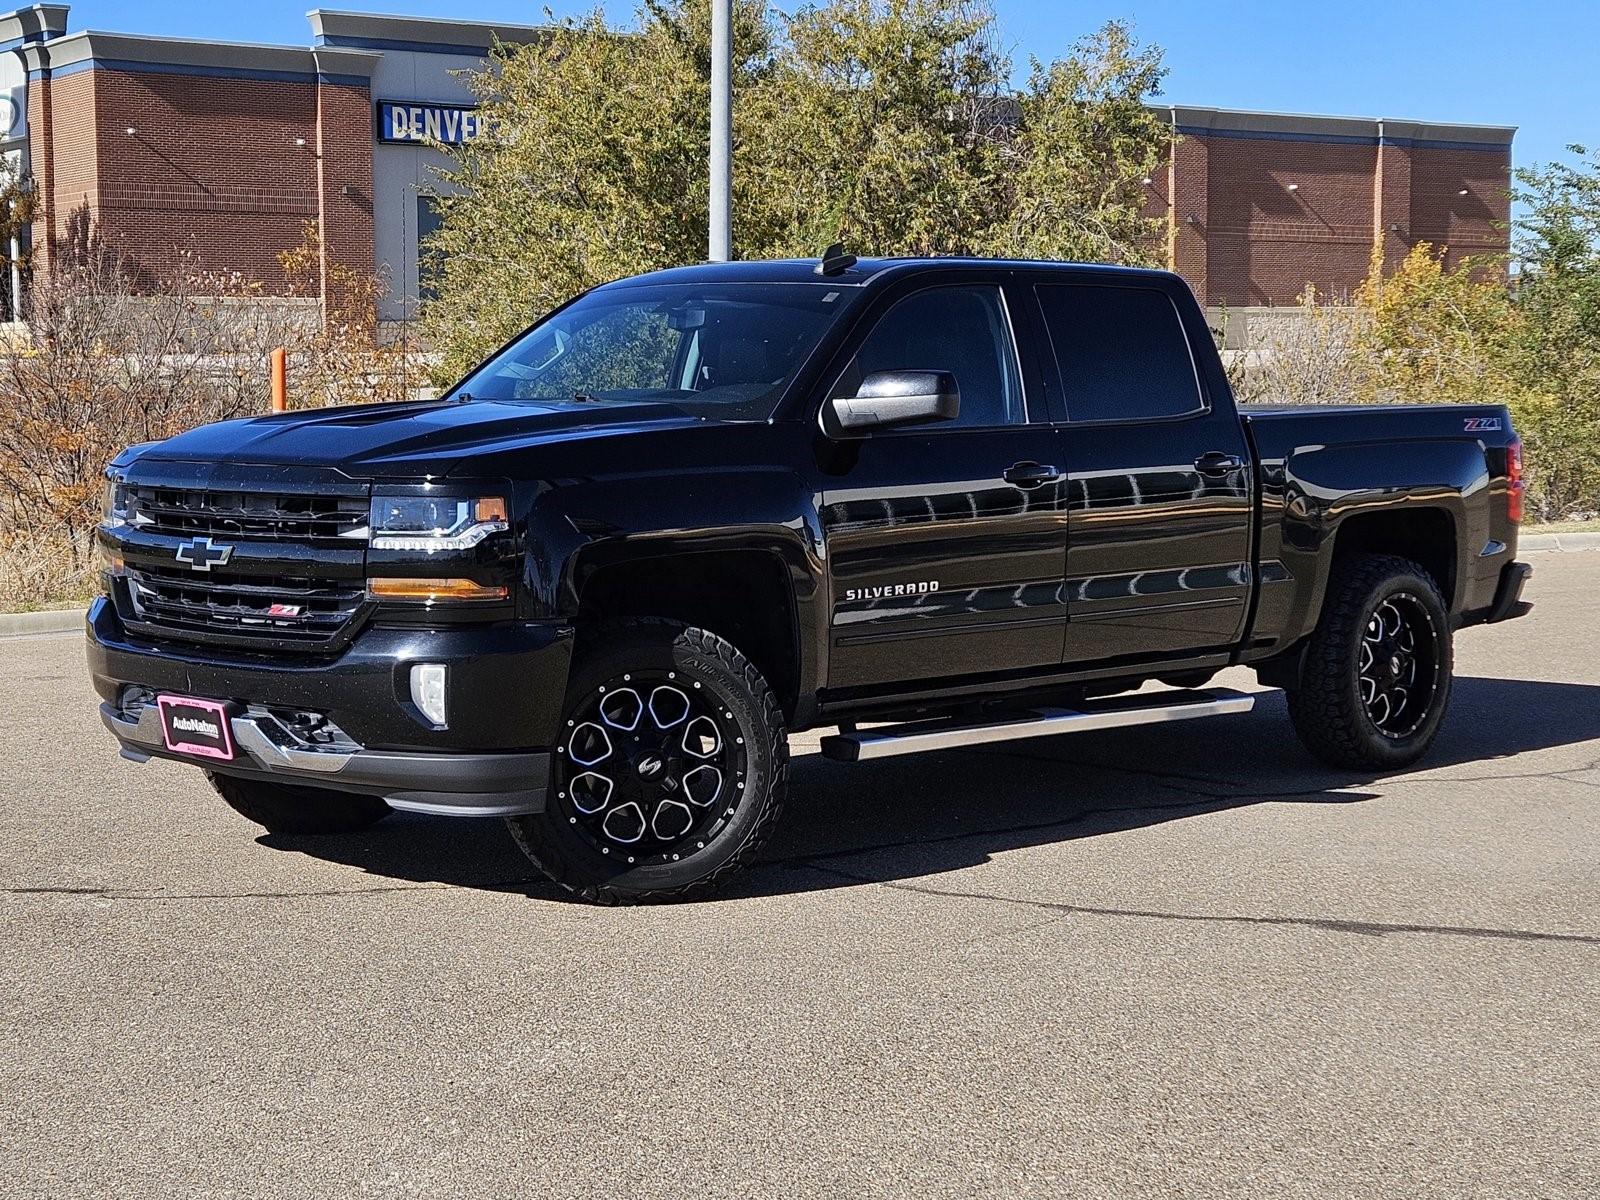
{"x": 420, "y": 124}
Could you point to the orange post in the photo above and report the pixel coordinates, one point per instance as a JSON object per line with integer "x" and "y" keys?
{"x": 280, "y": 380}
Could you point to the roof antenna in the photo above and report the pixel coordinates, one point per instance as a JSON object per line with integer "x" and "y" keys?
{"x": 835, "y": 261}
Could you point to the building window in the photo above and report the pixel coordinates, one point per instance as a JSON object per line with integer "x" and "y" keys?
{"x": 428, "y": 220}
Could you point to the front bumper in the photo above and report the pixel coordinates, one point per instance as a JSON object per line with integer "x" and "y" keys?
{"x": 506, "y": 687}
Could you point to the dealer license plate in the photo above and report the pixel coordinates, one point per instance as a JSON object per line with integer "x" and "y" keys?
{"x": 197, "y": 727}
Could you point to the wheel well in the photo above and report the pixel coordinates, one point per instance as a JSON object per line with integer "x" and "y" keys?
{"x": 741, "y": 595}
{"x": 1427, "y": 536}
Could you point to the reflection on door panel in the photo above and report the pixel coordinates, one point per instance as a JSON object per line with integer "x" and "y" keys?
{"x": 1158, "y": 558}
{"x": 946, "y": 568}
{"x": 1159, "y": 525}
{"x": 946, "y": 543}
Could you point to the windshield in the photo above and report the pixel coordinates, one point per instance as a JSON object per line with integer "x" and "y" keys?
{"x": 723, "y": 350}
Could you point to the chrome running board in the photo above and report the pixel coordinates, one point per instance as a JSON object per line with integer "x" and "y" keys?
{"x": 1149, "y": 708}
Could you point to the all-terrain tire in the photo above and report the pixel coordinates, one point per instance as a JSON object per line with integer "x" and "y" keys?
{"x": 288, "y": 808}
{"x": 644, "y": 655}
{"x": 1328, "y": 707}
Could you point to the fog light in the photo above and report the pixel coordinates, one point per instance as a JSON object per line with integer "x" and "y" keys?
{"x": 427, "y": 691}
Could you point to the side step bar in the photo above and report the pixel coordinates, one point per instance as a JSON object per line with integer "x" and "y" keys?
{"x": 1113, "y": 713}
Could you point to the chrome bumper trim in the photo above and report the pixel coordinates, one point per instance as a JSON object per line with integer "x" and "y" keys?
{"x": 262, "y": 736}
{"x": 462, "y": 784}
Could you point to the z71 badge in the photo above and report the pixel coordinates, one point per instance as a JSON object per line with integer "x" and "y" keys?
{"x": 1484, "y": 424}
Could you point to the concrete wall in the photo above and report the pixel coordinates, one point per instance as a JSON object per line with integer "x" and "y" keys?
{"x": 401, "y": 173}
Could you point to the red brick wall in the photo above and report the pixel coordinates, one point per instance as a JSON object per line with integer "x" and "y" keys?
{"x": 1187, "y": 174}
{"x": 1468, "y": 225}
{"x": 213, "y": 174}
{"x": 345, "y": 175}
{"x": 1391, "y": 214}
{"x": 61, "y": 123}
{"x": 212, "y": 177}
{"x": 1243, "y": 237}
{"x": 1267, "y": 239}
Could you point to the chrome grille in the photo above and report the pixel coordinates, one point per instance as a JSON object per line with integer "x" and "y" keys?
{"x": 246, "y": 515}
{"x": 301, "y": 613}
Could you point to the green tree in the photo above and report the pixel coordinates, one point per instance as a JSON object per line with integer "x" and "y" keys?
{"x": 1441, "y": 335}
{"x": 594, "y": 169}
{"x": 887, "y": 124}
{"x": 880, "y": 125}
{"x": 1085, "y": 142}
{"x": 1558, "y": 291}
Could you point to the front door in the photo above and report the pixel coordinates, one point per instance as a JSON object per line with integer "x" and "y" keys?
{"x": 945, "y": 542}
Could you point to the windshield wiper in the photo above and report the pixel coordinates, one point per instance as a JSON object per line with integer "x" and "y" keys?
{"x": 585, "y": 398}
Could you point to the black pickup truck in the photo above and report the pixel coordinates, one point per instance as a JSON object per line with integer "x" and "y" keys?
{"x": 929, "y": 502}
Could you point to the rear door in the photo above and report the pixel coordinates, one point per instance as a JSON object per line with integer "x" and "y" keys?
{"x": 946, "y": 542}
{"x": 1159, "y": 482}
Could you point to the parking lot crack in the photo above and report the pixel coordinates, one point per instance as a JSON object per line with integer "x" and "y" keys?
{"x": 1325, "y": 924}
{"x": 107, "y": 893}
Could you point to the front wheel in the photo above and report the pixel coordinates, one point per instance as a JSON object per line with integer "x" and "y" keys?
{"x": 1376, "y": 678}
{"x": 670, "y": 770}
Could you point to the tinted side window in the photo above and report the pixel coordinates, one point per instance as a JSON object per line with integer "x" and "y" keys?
{"x": 962, "y": 330}
{"x": 1122, "y": 353}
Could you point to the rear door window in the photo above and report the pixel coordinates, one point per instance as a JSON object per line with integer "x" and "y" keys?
{"x": 1122, "y": 353}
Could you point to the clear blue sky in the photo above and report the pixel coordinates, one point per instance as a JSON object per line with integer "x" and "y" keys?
{"x": 1498, "y": 62}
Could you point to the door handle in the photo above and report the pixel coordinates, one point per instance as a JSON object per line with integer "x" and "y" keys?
{"x": 1216, "y": 462}
{"x": 1031, "y": 474}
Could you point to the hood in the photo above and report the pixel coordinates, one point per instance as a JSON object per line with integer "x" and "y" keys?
{"x": 407, "y": 440}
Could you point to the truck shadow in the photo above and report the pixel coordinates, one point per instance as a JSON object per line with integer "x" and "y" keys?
{"x": 924, "y": 815}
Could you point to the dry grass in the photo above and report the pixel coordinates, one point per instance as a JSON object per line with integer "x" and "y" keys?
{"x": 1591, "y": 525}
{"x": 46, "y": 572}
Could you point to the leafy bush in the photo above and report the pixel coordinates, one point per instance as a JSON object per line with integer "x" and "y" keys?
{"x": 1313, "y": 353}
{"x": 1424, "y": 334}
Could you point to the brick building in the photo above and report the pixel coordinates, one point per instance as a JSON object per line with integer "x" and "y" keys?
{"x": 225, "y": 150}
{"x": 1259, "y": 205}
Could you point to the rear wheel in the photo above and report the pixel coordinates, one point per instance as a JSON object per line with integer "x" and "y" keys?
{"x": 670, "y": 772}
{"x": 288, "y": 808}
{"x": 1376, "y": 678}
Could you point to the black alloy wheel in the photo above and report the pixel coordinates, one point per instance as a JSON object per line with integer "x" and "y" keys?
{"x": 669, "y": 772}
{"x": 1398, "y": 669}
{"x": 652, "y": 766}
{"x": 1375, "y": 675}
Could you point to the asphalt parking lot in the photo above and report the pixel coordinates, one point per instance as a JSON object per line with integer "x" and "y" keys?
{"x": 1189, "y": 963}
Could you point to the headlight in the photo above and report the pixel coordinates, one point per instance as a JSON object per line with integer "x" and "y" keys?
{"x": 114, "y": 507}
{"x": 434, "y": 523}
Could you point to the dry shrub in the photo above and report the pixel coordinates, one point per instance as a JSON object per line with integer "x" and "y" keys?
{"x": 1313, "y": 353}
{"x": 41, "y": 571}
{"x": 343, "y": 360}
{"x": 111, "y": 360}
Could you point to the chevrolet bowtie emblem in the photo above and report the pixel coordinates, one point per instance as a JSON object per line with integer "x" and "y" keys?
{"x": 202, "y": 554}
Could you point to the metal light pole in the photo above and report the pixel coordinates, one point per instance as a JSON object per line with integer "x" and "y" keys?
{"x": 721, "y": 130}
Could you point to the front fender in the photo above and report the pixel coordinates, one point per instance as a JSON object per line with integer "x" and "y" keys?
{"x": 579, "y": 527}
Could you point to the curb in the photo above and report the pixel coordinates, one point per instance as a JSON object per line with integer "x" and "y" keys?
{"x": 1559, "y": 541}
{"x": 57, "y": 620}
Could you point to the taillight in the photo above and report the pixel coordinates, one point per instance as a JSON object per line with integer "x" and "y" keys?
{"x": 1514, "y": 483}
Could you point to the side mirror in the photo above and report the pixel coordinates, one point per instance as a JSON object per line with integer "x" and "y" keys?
{"x": 898, "y": 398}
